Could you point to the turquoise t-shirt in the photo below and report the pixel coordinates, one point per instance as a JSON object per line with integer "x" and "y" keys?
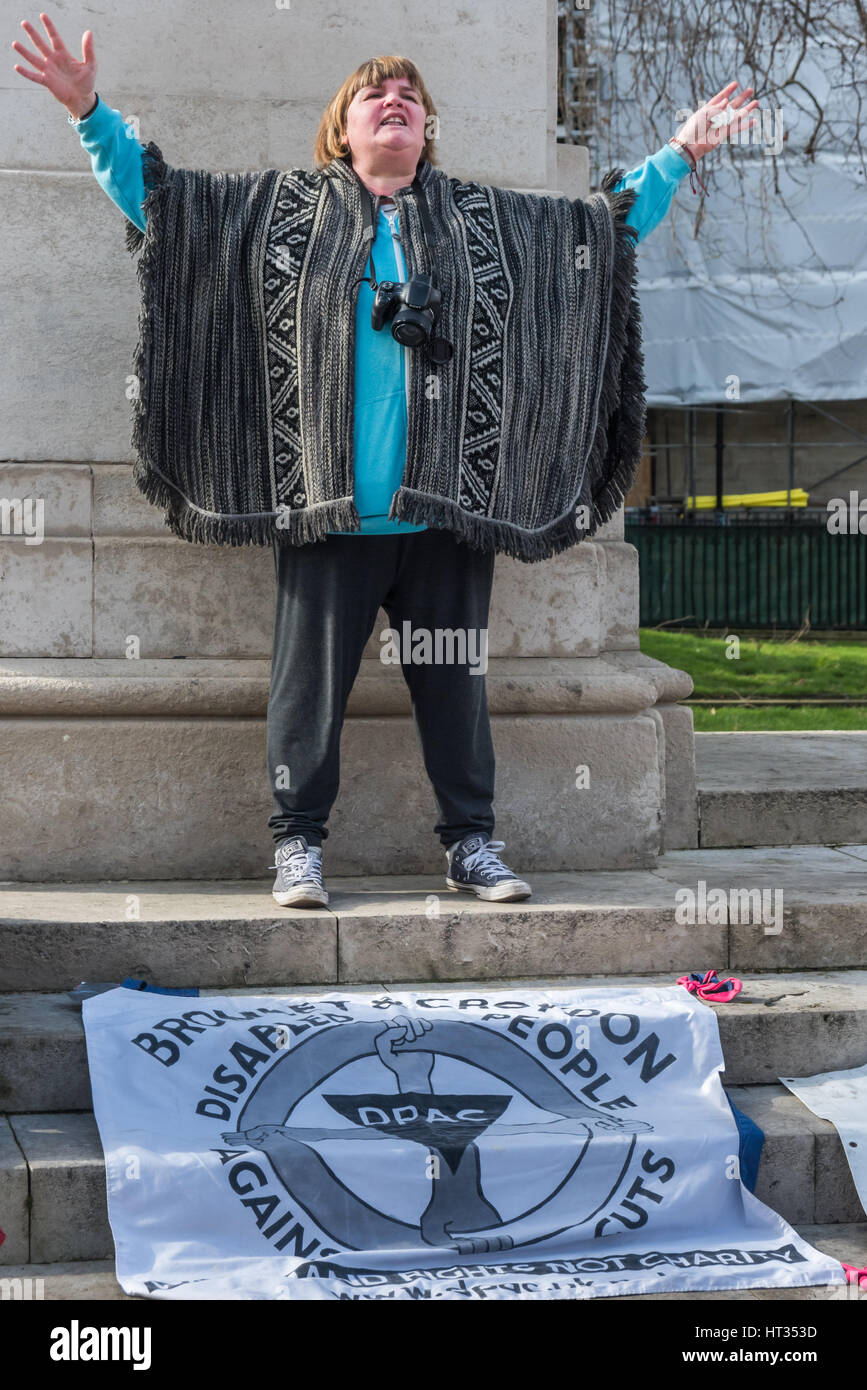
{"x": 379, "y": 427}
{"x": 379, "y": 421}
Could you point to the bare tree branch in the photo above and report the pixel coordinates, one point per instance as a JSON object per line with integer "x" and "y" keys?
{"x": 628, "y": 67}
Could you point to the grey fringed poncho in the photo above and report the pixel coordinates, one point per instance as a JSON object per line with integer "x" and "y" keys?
{"x": 523, "y": 443}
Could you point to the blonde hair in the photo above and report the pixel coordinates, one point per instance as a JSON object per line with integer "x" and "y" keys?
{"x": 371, "y": 73}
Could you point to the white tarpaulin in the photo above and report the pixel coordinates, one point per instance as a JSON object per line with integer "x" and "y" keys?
{"x": 767, "y": 297}
{"x": 841, "y": 1097}
{"x": 527, "y": 1144}
{"x": 757, "y": 307}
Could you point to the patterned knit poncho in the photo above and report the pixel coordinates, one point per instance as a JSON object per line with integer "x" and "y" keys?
{"x": 524, "y": 442}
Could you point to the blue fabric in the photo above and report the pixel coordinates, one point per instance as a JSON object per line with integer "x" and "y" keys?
{"x": 379, "y": 423}
{"x": 752, "y": 1141}
{"x": 655, "y": 181}
{"x": 142, "y": 986}
{"x": 379, "y": 428}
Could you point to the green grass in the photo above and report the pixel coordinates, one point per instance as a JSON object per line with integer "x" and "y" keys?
{"x": 733, "y": 719}
{"x": 771, "y": 669}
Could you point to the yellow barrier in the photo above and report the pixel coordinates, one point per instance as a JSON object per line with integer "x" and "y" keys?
{"x": 796, "y": 498}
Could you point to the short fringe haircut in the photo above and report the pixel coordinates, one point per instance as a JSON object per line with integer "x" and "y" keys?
{"x": 372, "y": 72}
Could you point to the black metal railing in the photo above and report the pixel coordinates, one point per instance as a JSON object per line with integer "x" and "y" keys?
{"x": 749, "y": 571}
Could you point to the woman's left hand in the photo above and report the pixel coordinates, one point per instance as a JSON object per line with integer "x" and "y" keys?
{"x": 700, "y": 134}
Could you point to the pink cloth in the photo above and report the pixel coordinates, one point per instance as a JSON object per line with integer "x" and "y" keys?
{"x": 856, "y": 1276}
{"x": 710, "y": 987}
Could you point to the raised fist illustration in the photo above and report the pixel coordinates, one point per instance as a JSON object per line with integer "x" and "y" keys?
{"x": 394, "y": 1044}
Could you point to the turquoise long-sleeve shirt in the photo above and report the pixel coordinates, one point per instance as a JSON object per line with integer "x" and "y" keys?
{"x": 379, "y": 424}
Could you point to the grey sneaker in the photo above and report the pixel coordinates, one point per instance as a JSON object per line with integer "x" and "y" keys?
{"x": 299, "y": 874}
{"x": 475, "y": 865}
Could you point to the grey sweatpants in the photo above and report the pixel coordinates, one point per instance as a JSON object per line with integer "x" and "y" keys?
{"x": 328, "y": 595}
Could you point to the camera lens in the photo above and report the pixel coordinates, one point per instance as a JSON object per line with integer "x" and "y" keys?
{"x": 410, "y": 329}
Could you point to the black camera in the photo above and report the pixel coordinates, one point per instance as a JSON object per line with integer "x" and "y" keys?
{"x": 412, "y": 306}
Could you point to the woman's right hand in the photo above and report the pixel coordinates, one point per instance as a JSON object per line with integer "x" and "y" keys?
{"x": 53, "y": 66}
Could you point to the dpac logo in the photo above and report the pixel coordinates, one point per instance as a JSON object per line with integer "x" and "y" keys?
{"x": 373, "y": 1129}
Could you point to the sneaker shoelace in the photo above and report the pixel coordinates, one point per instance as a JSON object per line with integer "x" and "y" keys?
{"x": 487, "y": 859}
{"x": 300, "y": 864}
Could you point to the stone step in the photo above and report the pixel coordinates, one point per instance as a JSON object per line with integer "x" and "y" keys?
{"x": 220, "y": 934}
{"x": 779, "y": 788}
{"x": 790, "y": 1024}
{"x": 57, "y": 1159}
{"x": 804, "y": 1173}
{"x": 94, "y": 1280}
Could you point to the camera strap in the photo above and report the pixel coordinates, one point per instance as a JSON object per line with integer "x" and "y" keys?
{"x": 370, "y": 212}
{"x": 439, "y": 349}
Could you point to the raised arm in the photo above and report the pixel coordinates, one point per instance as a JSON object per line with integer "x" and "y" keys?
{"x": 116, "y": 157}
{"x": 657, "y": 179}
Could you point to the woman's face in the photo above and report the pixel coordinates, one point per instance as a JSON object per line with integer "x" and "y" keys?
{"x": 390, "y": 118}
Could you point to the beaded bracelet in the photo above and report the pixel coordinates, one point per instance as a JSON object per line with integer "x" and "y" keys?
{"x": 690, "y": 157}
{"x": 76, "y": 120}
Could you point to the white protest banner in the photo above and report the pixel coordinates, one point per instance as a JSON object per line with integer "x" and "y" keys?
{"x": 519, "y": 1144}
{"x": 841, "y": 1097}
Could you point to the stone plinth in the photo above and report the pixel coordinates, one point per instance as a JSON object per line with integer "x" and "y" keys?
{"x": 133, "y": 666}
